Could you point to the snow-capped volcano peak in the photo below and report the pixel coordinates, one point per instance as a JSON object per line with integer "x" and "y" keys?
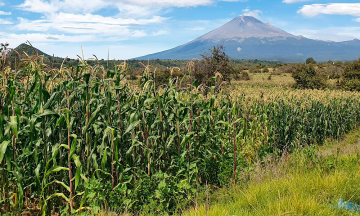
{"x": 245, "y": 27}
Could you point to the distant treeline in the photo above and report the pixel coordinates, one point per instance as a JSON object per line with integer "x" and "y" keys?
{"x": 133, "y": 64}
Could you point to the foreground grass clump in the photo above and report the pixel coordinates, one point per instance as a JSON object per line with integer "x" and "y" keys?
{"x": 80, "y": 138}
{"x": 308, "y": 182}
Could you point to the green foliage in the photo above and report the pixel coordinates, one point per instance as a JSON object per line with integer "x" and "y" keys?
{"x": 351, "y": 77}
{"x": 304, "y": 182}
{"x": 214, "y": 68}
{"x": 310, "y": 61}
{"x": 306, "y": 77}
{"x": 80, "y": 138}
{"x": 334, "y": 72}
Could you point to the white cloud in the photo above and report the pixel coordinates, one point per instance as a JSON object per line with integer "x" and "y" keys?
{"x": 160, "y": 32}
{"x": 5, "y": 22}
{"x": 117, "y": 51}
{"x": 2, "y": 4}
{"x": 87, "y": 24}
{"x": 169, "y": 3}
{"x": 234, "y": 0}
{"x": 78, "y": 21}
{"x": 195, "y": 29}
{"x": 294, "y": 1}
{"x": 254, "y": 13}
{"x": 5, "y": 13}
{"x": 44, "y": 6}
{"x": 39, "y": 37}
{"x": 330, "y": 34}
{"x": 352, "y": 9}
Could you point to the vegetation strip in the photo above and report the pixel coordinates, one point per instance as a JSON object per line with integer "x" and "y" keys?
{"x": 79, "y": 139}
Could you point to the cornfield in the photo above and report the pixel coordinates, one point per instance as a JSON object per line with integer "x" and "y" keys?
{"x": 81, "y": 139}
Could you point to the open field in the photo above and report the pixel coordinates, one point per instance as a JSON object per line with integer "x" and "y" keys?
{"x": 81, "y": 139}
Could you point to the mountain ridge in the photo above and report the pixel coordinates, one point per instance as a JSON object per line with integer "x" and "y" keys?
{"x": 246, "y": 37}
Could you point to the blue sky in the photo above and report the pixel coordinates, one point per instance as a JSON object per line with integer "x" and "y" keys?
{"x": 131, "y": 28}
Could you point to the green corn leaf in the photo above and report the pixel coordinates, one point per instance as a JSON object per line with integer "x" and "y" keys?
{"x": 63, "y": 184}
{"x": 3, "y": 147}
{"x": 76, "y": 160}
{"x": 78, "y": 169}
{"x": 93, "y": 117}
{"x": 55, "y": 169}
{"x": 37, "y": 176}
{"x": 53, "y": 156}
{"x": 47, "y": 113}
{"x": 64, "y": 146}
{"x": 60, "y": 120}
{"x": 132, "y": 126}
{"x": 77, "y": 176}
{"x": 58, "y": 195}
{"x": 83, "y": 199}
{"x": 73, "y": 145}
{"x": 103, "y": 162}
{"x": 13, "y": 125}
{"x": 86, "y": 180}
{"x": 150, "y": 100}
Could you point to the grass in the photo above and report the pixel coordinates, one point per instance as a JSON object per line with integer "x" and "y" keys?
{"x": 307, "y": 182}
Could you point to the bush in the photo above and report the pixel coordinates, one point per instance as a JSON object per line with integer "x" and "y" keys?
{"x": 254, "y": 70}
{"x": 162, "y": 77}
{"x": 242, "y": 76}
{"x": 333, "y": 72}
{"x": 214, "y": 68}
{"x": 266, "y": 70}
{"x": 310, "y": 61}
{"x": 306, "y": 77}
{"x": 288, "y": 69}
{"x": 351, "y": 77}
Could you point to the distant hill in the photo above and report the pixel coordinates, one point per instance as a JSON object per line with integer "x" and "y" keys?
{"x": 246, "y": 37}
{"x": 30, "y": 50}
{"x": 133, "y": 64}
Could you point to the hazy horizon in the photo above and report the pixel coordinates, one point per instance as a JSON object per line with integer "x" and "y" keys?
{"x": 133, "y": 28}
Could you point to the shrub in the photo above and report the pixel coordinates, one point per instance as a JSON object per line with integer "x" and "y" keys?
{"x": 266, "y": 70}
{"x": 254, "y": 70}
{"x": 214, "y": 68}
{"x": 334, "y": 72}
{"x": 306, "y": 77}
{"x": 162, "y": 77}
{"x": 351, "y": 77}
{"x": 310, "y": 61}
{"x": 242, "y": 76}
{"x": 288, "y": 69}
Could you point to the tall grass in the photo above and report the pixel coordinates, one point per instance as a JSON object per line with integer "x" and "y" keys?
{"x": 79, "y": 139}
{"x": 309, "y": 181}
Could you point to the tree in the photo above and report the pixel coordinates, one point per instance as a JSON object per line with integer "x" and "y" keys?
{"x": 306, "y": 77}
{"x": 351, "y": 77}
{"x": 214, "y": 68}
{"x": 310, "y": 61}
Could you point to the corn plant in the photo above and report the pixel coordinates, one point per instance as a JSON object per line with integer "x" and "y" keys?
{"x": 80, "y": 139}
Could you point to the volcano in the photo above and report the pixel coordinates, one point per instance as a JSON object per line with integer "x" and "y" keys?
{"x": 246, "y": 37}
